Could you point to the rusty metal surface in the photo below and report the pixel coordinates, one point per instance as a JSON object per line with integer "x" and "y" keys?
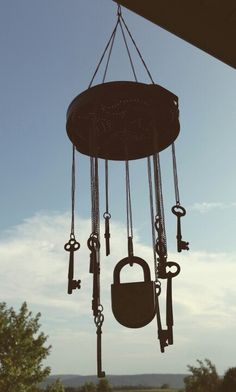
{"x": 123, "y": 120}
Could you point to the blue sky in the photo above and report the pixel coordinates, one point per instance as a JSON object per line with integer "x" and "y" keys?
{"x": 49, "y": 51}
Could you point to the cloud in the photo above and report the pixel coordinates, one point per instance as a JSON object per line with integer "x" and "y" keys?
{"x": 34, "y": 268}
{"x": 205, "y": 207}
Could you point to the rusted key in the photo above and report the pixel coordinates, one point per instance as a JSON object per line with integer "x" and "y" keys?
{"x": 107, "y": 235}
{"x": 169, "y": 311}
{"x": 162, "y": 333}
{"x": 71, "y": 246}
{"x": 94, "y": 245}
{"x": 179, "y": 212}
{"x": 98, "y": 322}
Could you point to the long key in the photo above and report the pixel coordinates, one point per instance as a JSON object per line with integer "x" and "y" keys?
{"x": 107, "y": 234}
{"x": 93, "y": 260}
{"x": 100, "y": 372}
{"x": 71, "y": 246}
{"x": 169, "y": 311}
{"x": 162, "y": 333}
{"x": 179, "y": 212}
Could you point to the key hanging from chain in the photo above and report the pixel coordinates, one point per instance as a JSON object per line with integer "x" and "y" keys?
{"x": 98, "y": 322}
{"x": 129, "y": 219}
{"x": 161, "y": 333}
{"x": 72, "y": 245}
{"x": 107, "y": 215}
{"x": 177, "y": 209}
{"x": 179, "y": 212}
{"x": 94, "y": 247}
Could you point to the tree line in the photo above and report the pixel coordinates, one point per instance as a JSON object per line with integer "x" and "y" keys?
{"x": 23, "y": 349}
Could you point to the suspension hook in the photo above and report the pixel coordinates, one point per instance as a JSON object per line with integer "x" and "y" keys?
{"x": 119, "y": 14}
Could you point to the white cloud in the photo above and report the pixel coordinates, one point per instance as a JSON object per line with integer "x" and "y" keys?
{"x": 34, "y": 268}
{"x": 205, "y": 207}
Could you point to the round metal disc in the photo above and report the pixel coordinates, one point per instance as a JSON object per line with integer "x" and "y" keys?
{"x": 123, "y": 120}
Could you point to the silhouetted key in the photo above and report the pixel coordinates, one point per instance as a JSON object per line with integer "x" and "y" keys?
{"x": 179, "y": 212}
{"x": 100, "y": 372}
{"x": 107, "y": 234}
{"x": 71, "y": 246}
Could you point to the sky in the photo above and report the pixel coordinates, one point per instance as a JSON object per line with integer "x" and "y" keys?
{"x": 49, "y": 51}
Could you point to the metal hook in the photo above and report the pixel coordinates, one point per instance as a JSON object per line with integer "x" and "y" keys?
{"x": 119, "y": 10}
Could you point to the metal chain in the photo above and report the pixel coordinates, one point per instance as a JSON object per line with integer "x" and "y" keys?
{"x": 128, "y": 51}
{"x": 95, "y": 213}
{"x": 109, "y": 54}
{"x": 152, "y": 216}
{"x": 137, "y": 49}
{"x": 128, "y": 202}
{"x": 105, "y": 50}
{"x": 159, "y": 204}
{"x": 175, "y": 174}
{"x": 72, "y": 232}
{"x": 106, "y": 186}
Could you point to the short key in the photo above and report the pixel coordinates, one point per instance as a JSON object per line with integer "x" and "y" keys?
{"x": 179, "y": 212}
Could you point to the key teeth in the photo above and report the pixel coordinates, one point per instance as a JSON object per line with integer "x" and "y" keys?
{"x": 76, "y": 284}
{"x": 101, "y": 374}
{"x": 183, "y": 246}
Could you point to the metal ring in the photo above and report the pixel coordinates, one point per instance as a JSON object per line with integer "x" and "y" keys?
{"x": 178, "y": 210}
{"x": 107, "y": 215}
{"x": 93, "y": 243}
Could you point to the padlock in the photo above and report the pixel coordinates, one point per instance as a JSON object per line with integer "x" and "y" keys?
{"x": 133, "y": 304}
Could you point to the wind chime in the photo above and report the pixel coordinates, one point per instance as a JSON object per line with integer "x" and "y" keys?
{"x": 123, "y": 121}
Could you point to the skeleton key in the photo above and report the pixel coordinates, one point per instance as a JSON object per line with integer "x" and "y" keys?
{"x": 179, "y": 212}
{"x": 107, "y": 234}
{"x": 100, "y": 372}
{"x": 162, "y": 333}
{"x": 94, "y": 245}
{"x": 169, "y": 311}
{"x": 71, "y": 246}
{"x": 98, "y": 322}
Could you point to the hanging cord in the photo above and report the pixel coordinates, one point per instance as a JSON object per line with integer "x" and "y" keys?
{"x": 129, "y": 212}
{"x": 175, "y": 174}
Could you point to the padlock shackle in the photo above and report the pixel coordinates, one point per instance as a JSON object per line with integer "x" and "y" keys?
{"x": 131, "y": 260}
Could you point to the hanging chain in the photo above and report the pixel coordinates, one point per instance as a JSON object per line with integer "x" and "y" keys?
{"x": 129, "y": 218}
{"x": 105, "y": 50}
{"x": 107, "y": 215}
{"x": 121, "y": 22}
{"x": 128, "y": 51}
{"x": 151, "y": 199}
{"x": 137, "y": 49}
{"x": 161, "y": 245}
{"x": 177, "y": 209}
{"x": 175, "y": 174}
{"x": 95, "y": 213}
{"x": 72, "y": 232}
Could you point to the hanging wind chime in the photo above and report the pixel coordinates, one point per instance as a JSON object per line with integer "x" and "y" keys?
{"x": 123, "y": 121}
